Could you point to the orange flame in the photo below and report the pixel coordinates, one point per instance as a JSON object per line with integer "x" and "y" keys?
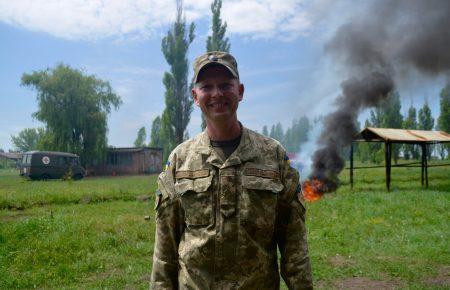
{"x": 311, "y": 189}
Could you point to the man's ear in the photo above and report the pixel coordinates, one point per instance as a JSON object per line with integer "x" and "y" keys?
{"x": 241, "y": 92}
{"x": 195, "y": 97}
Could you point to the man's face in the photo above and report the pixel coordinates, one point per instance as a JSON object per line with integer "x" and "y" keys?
{"x": 217, "y": 94}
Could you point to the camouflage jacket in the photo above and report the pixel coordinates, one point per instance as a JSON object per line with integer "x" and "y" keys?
{"x": 218, "y": 223}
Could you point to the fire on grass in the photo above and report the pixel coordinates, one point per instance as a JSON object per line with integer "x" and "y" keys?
{"x": 312, "y": 189}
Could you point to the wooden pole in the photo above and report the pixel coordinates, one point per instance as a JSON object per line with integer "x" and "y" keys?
{"x": 423, "y": 163}
{"x": 351, "y": 165}
{"x": 387, "y": 157}
{"x": 426, "y": 165}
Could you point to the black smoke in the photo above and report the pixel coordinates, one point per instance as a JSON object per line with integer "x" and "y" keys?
{"x": 388, "y": 41}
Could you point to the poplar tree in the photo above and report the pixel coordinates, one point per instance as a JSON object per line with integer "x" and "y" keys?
{"x": 140, "y": 139}
{"x": 177, "y": 113}
{"x": 217, "y": 40}
{"x": 265, "y": 131}
{"x": 410, "y": 123}
{"x": 444, "y": 117}
{"x": 155, "y": 133}
{"x": 426, "y": 122}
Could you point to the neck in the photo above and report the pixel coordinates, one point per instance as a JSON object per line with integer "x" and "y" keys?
{"x": 223, "y": 131}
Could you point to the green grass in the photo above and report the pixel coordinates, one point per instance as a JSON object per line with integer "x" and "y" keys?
{"x": 20, "y": 193}
{"x": 92, "y": 233}
{"x": 77, "y": 246}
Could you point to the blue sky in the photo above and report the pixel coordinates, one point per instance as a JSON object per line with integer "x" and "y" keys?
{"x": 278, "y": 45}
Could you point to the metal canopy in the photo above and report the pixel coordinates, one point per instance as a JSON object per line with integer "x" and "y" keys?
{"x": 388, "y": 136}
{"x": 403, "y": 136}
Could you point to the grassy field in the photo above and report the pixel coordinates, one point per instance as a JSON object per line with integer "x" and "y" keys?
{"x": 92, "y": 233}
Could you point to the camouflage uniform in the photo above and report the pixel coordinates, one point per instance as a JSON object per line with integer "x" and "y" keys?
{"x": 219, "y": 222}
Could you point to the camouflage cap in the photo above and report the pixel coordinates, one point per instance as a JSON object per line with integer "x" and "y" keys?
{"x": 215, "y": 57}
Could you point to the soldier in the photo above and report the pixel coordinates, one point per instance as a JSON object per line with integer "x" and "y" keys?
{"x": 227, "y": 199}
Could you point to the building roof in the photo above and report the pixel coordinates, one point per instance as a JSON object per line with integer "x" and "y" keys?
{"x": 132, "y": 149}
{"x": 403, "y": 136}
{"x": 11, "y": 155}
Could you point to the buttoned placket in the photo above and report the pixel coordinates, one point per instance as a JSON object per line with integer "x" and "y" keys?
{"x": 226, "y": 207}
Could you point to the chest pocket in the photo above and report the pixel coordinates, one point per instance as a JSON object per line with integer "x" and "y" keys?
{"x": 261, "y": 188}
{"x": 196, "y": 199}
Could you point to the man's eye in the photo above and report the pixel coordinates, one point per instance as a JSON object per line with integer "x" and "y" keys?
{"x": 225, "y": 86}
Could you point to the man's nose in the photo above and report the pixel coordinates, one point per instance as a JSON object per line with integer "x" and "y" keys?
{"x": 216, "y": 91}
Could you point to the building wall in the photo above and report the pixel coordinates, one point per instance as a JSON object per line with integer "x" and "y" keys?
{"x": 120, "y": 162}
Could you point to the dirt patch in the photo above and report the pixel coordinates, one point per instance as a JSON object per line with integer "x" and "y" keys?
{"x": 442, "y": 279}
{"x": 14, "y": 216}
{"x": 357, "y": 283}
{"x": 341, "y": 261}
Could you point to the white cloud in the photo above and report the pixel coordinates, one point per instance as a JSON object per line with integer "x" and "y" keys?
{"x": 97, "y": 19}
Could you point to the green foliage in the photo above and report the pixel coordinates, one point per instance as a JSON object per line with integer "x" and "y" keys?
{"x": 156, "y": 139}
{"x": 276, "y": 132}
{"x": 28, "y": 139}
{"x": 444, "y": 119}
{"x": 140, "y": 139}
{"x": 444, "y": 116}
{"x": 265, "y": 132}
{"x": 294, "y": 136}
{"x": 426, "y": 121}
{"x": 297, "y": 134}
{"x": 217, "y": 40}
{"x": 177, "y": 113}
{"x": 386, "y": 115}
{"x": 410, "y": 123}
{"x": 74, "y": 108}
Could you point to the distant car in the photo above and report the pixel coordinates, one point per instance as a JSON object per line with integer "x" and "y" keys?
{"x": 48, "y": 164}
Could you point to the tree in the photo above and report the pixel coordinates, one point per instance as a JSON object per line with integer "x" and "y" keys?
{"x": 140, "y": 139}
{"x": 426, "y": 121}
{"x": 155, "y": 133}
{"x": 217, "y": 40}
{"x": 276, "y": 132}
{"x": 444, "y": 117}
{"x": 27, "y": 139}
{"x": 74, "y": 108}
{"x": 177, "y": 113}
{"x": 387, "y": 115}
{"x": 410, "y": 123}
{"x": 265, "y": 131}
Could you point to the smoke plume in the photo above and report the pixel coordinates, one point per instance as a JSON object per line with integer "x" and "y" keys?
{"x": 392, "y": 38}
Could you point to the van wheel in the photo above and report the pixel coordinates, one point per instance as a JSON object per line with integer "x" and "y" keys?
{"x": 45, "y": 176}
{"x": 77, "y": 176}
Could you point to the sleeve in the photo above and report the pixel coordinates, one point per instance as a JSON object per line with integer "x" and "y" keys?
{"x": 291, "y": 231}
{"x": 169, "y": 228}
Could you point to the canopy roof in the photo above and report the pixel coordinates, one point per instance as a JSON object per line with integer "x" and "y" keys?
{"x": 403, "y": 136}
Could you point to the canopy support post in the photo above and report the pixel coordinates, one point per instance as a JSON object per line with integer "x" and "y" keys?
{"x": 387, "y": 156}
{"x": 424, "y": 157}
{"x": 351, "y": 165}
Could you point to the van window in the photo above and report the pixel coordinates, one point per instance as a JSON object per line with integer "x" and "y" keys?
{"x": 26, "y": 159}
{"x": 63, "y": 161}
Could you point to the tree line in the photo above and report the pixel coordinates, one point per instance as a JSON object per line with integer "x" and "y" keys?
{"x": 74, "y": 106}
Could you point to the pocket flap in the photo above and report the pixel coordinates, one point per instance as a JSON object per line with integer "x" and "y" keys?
{"x": 261, "y": 183}
{"x": 264, "y": 173}
{"x": 196, "y": 184}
